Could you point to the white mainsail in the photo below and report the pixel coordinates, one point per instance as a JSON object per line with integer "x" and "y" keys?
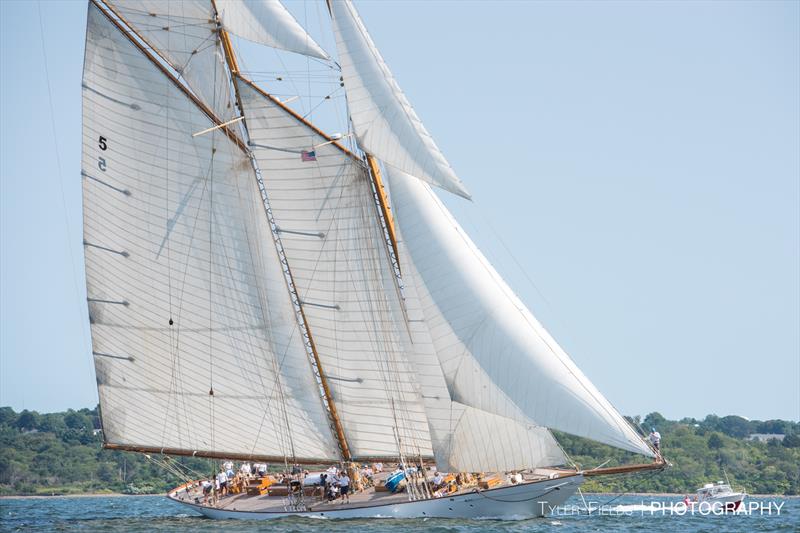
{"x": 384, "y": 122}
{"x": 195, "y": 342}
{"x": 324, "y": 208}
{"x": 494, "y": 354}
{"x": 267, "y": 22}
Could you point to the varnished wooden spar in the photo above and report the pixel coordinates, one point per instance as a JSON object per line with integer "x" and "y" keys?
{"x": 661, "y": 464}
{"x": 214, "y": 455}
{"x": 383, "y": 200}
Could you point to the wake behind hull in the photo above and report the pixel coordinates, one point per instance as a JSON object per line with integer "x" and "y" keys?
{"x": 528, "y": 500}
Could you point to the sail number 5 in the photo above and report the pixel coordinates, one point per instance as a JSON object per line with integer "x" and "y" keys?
{"x": 101, "y": 162}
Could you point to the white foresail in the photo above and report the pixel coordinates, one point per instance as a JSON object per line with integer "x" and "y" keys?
{"x": 384, "y": 122}
{"x": 464, "y": 438}
{"x": 267, "y": 22}
{"x": 325, "y": 211}
{"x": 184, "y": 32}
{"x": 493, "y": 352}
{"x": 195, "y": 342}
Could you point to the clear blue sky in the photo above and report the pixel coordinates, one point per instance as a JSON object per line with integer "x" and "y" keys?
{"x": 640, "y": 160}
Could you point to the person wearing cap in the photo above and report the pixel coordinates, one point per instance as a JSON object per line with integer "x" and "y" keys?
{"x": 655, "y": 440}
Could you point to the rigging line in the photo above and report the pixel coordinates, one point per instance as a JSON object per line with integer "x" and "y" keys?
{"x": 328, "y": 97}
{"x": 280, "y": 59}
{"x": 212, "y": 404}
{"x": 173, "y": 385}
{"x": 86, "y": 341}
{"x": 148, "y": 13}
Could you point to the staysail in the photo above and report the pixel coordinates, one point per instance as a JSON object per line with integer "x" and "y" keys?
{"x": 322, "y": 202}
{"x": 195, "y": 343}
{"x": 494, "y": 354}
{"x": 385, "y": 124}
{"x": 269, "y": 23}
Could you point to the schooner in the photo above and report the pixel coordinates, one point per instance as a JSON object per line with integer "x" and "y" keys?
{"x": 261, "y": 291}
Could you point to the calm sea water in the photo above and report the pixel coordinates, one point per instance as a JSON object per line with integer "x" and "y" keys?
{"x": 155, "y": 513}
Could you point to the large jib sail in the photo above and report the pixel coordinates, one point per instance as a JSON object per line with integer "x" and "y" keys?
{"x": 465, "y": 438}
{"x": 195, "y": 342}
{"x": 494, "y": 355}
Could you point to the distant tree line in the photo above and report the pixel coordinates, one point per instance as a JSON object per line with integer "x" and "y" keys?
{"x": 701, "y": 451}
{"x": 59, "y": 453}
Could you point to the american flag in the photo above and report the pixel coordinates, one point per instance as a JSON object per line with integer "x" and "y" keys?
{"x": 308, "y": 155}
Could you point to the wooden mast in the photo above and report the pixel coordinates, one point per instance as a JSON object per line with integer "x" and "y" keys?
{"x": 383, "y": 202}
{"x": 233, "y": 65}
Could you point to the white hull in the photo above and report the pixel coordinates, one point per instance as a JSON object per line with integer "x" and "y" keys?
{"x": 730, "y": 502}
{"x": 527, "y": 500}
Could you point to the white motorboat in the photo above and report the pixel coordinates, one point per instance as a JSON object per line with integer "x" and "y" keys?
{"x": 717, "y": 495}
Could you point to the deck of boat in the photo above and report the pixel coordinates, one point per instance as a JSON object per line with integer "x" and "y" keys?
{"x": 318, "y": 503}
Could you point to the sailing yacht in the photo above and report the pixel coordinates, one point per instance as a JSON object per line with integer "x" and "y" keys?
{"x": 261, "y": 291}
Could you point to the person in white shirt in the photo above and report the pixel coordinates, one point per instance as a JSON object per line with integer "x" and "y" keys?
{"x": 207, "y": 486}
{"x": 222, "y": 479}
{"x": 344, "y": 486}
{"x": 655, "y": 440}
{"x": 245, "y": 470}
{"x": 438, "y": 481}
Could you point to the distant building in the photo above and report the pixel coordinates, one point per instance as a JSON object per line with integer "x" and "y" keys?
{"x": 765, "y": 437}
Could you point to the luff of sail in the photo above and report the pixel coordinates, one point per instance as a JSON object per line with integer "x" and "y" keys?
{"x": 195, "y": 342}
{"x": 484, "y": 335}
{"x": 327, "y": 220}
{"x": 384, "y": 122}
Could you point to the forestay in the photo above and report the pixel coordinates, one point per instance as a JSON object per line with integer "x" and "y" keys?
{"x": 466, "y": 439}
{"x": 322, "y": 203}
{"x": 195, "y": 342}
{"x": 384, "y": 122}
{"x": 494, "y": 354}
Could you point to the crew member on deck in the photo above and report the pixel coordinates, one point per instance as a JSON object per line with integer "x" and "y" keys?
{"x": 438, "y": 481}
{"x": 222, "y": 479}
{"x": 344, "y": 486}
{"x": 655, "y": 440}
